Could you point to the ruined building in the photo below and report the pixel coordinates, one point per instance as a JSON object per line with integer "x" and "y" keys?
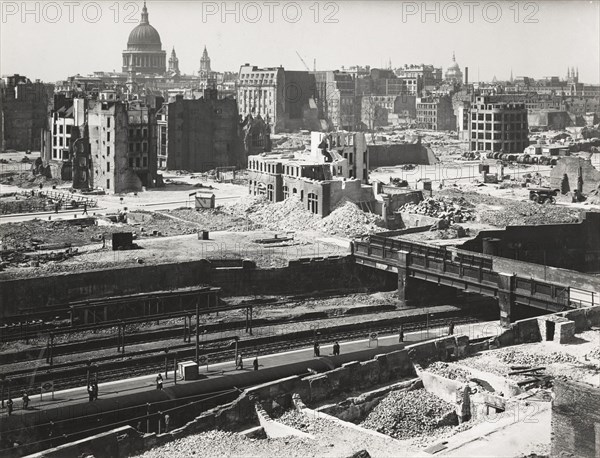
{"x": 335, "y": 170}
{"x": 497, "y": 126}
{"x": 199, "y": 135}
{"x": 23, "y": 110}
{"x": 65, "y": 125}
{"x": 106, "y": 143}
{"x": 122, "y": 137}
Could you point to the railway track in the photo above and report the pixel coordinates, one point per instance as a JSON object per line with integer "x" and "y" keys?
{"x": 56, "y": 321}
{"x": 113, "y": 367}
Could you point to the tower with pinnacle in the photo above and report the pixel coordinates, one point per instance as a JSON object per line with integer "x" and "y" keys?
{"x": 174, "y": 63}
{"x": 204, "y": 65}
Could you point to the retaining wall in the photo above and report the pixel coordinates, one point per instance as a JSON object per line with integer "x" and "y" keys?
{"x": 299, "y": 277}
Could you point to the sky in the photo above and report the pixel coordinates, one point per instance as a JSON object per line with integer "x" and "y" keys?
{"x": 51, "y": 40}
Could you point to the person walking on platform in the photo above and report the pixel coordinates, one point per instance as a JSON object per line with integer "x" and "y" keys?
{"x": 159, "y": 382}
{"x": 95, "y": 391}
{"x": 336, "y": 349}
{"x": 317, "y": 349}
{"x": 25, "y": 401}
{"x": 90, "y": 390}
{"x": 9, "y": 406}
{"x": 240, "y": 363}
{"x": 255, "y": 363}
{"x": 85, "y": 208}
{"x": 401, "y": 334}
{"x": 451, "y": 328}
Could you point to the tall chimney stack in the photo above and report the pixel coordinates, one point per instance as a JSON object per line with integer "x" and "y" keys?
{"x": 466, "y": 76}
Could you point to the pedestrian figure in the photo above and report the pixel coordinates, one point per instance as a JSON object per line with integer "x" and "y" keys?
{"x": 317, "y": 349}
{"x": 159, "y": 382}
{"x": 103, "y": 241}
{"x": 25, "y": 401}
{"x": 167, "y": 421}
{"x": 401, "y": 335}
{"x": 255, "y": 363}
{"x": 95, "y": 391}
{"x": 240, "y": 363}
{"x": 90, "y": 390}
{"x": 85, "y": 208}
{"x": 336, "y": 349}
{"x": 451, "y": 328}
{"x": 9, "y": 406}
{"x": 56, "y": 206}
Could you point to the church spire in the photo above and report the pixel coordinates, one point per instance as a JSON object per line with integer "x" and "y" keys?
{"x": 453, "y": 57}
{"x": 144, "y": 14}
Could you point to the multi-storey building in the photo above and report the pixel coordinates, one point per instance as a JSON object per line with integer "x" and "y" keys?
{"x": 497, "y": 126}
{"x": 418, "y": 76}
{"x": 199, "y": 135}
{"x": 24, "y": 110}
{"x": 436, "y": 113}
{"x": 285, "y": 99}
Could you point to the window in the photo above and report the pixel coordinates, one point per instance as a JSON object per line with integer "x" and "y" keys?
{"x": 286, "y": 192}
{"x": 137, "y": 161}
{"x": 270, "y": 193}
{"x": 131, "y": 147}
{"x": 108, "y": 150}
{"x": 108, "y": 166}
{"x": 60, "y": 129}
{"x": 312, "y": 203}
{"x": 108, "y": 122}
{"x": 108, "y": 136}
{"x": 131, "y": 162}
{"x": 145, "y": 161}
{"x": 107, "y": 184}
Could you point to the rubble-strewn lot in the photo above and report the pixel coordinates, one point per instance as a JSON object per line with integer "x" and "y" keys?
{"x": 331, "y": 439}
{"x": 410, "y": 414}
{"x": 579, "y": 362}
{"x": 502, "y": 212}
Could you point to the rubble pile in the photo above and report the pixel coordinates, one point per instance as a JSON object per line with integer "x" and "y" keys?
{"x": 350, "y": 221}
{"x": 446, "y": 370}
{"x": 456, "y": 211}
{"x": 529, "y": 213}
{"x": 518, "y": 358}
{"x": 21, "y": 258}
{"x": 347, "y": 220}
{"x": 296, "y": 420}
{"x": 408, "y": 414}
{"x": 287, "y": 215}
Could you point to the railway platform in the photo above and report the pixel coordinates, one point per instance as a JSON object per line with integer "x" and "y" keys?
{"x": 361, "y": 349}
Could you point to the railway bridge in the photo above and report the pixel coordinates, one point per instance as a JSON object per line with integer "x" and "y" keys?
{"x": 510, "y": 282}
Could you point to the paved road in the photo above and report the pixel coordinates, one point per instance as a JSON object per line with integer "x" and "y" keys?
{"x": 137, "y": 384}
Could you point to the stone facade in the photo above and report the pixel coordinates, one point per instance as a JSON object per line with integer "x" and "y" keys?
{"x": 284, "y": 99}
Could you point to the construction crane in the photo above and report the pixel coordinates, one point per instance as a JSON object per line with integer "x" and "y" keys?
{"x": 304, "y": 63}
